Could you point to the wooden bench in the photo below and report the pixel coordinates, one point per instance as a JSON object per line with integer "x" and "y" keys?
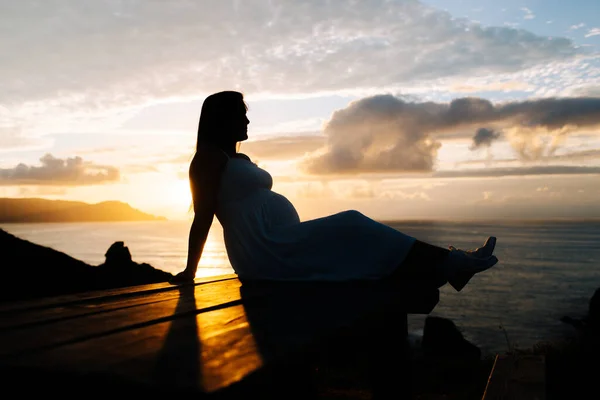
{"x": 214, "y": 338}
{"x": 516, "y": 377}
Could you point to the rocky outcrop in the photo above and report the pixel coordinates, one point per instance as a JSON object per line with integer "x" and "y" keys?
{"x": 591, "y": 322}
{"x": 442, "y": 338}
{"x": 120, "y": 270}
{"x": 593, "y": 317}
{"x": 28, "y": 270}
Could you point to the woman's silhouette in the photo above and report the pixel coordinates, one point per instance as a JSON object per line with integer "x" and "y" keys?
{"x": 265, "y": 238}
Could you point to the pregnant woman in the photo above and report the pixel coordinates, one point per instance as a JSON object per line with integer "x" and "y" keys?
{"x": 265, "y": 239}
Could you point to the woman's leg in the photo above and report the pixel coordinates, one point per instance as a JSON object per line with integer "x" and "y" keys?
{"x": 424, "y": 262}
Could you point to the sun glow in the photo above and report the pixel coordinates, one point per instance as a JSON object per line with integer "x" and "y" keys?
{"x": 177, "y": 197}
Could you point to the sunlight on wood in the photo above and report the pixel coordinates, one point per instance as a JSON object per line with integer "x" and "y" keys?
{"x": 229, "y": 351}
{"x": 214, "y": 260}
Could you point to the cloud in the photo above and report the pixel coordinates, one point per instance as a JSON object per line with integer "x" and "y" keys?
{"x": 377, "y": 134}
{"x": 362, "y": 190}
{"x": 385, "y": 133}
{"x": 593, "y": 32}
{"x": 520, "y": 171}
{"x": 58, "y": 172}
{"x": 583, "y": 155}
{"x": 576, "y": 27}
{"x": 283, "y": 147}
{"x": 587, "y": 91}
{"x": 484, "y": 138}
{"x": 528, "y": 13}
{"x": 13, "y": 139}
{"x": 35, "y": 191}
{"x": 313, "y": 190}
{"x": 139, "y": 168}
{"x": 102, "y": 54}
{"x": 402, "y": 195}
{"x": 497, "y": 86}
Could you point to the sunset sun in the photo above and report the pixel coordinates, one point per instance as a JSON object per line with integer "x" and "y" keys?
{"x": 178, "y": 196}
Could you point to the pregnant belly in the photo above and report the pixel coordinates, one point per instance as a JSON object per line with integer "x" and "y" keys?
{"x": 277, "y": 210}
{"x": 263, "y": 209}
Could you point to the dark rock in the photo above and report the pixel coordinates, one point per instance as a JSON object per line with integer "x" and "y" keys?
{"x": 577, "y": 323}
{"x": 28, "y": 270}
{"x": 119, "y": 269}
{"x": 591, "y": 322}
{"x": 593, "y": 317}
{"x": 441, "y": 337}
{"x": 117, "y": 254}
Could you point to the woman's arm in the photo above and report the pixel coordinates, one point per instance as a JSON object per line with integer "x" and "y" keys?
{"x": 205, "y": 176}
{"x": 197, "y": 239}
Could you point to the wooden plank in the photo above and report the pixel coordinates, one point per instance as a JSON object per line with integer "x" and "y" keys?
{"x": 203, "y": 297}
{"x": 56, "y": 301}
{"x": 215, "y": 348}
{"x": 74, "y": 307}
{"x": 168, "y": 353}
{"x": 36, "y": 318}
{"x": 517, "y": 377}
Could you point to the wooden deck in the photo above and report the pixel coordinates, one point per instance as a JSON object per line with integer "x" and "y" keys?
{"x": 202, "y": 338}
{"x": 517, "y": 377}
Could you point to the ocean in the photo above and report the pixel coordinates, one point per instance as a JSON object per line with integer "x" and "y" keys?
{"x": 546, "y": 269}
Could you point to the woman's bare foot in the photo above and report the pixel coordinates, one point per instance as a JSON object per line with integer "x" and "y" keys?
{"x": 472, "y": 262}
{"x": 183, "y": 277}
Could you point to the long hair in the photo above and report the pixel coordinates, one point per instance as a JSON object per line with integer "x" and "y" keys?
{"x": 214, "y": 116}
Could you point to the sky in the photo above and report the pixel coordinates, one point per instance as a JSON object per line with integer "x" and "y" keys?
{"x": 401, "y": 109}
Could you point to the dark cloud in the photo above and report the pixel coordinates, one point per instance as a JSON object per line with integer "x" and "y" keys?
{"x": 484, "y": 138}
{"x": 553, "y": 113}
{"x": 519, "y": 171}
{"x": 58, "y": 172}
{"x": 386, "y": 133}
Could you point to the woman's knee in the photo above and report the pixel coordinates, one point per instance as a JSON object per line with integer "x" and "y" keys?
{"x": 354, "y": 215}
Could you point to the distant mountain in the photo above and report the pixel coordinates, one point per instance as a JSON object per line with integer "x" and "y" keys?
{"x": 42, "y": 210}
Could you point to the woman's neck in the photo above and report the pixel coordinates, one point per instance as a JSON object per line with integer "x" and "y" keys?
{"x": 230, "y": 149}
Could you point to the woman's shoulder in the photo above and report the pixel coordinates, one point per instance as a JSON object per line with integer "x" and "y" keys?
{"x": 242, "y": 156}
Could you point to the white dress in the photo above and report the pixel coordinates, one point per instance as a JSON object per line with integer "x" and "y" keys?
{"x": 265, "y": 238}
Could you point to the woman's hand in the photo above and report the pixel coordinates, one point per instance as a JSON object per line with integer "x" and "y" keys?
{"x": 183, "y": 277}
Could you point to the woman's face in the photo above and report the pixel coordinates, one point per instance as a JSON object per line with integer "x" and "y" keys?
{"x": 239, "y": 124}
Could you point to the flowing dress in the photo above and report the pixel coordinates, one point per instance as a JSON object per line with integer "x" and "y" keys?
{"x": 265, "y": 238}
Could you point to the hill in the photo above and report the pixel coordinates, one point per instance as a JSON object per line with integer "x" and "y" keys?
{"x": 30, "y": 271}
{"x": 42, "y": 210}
